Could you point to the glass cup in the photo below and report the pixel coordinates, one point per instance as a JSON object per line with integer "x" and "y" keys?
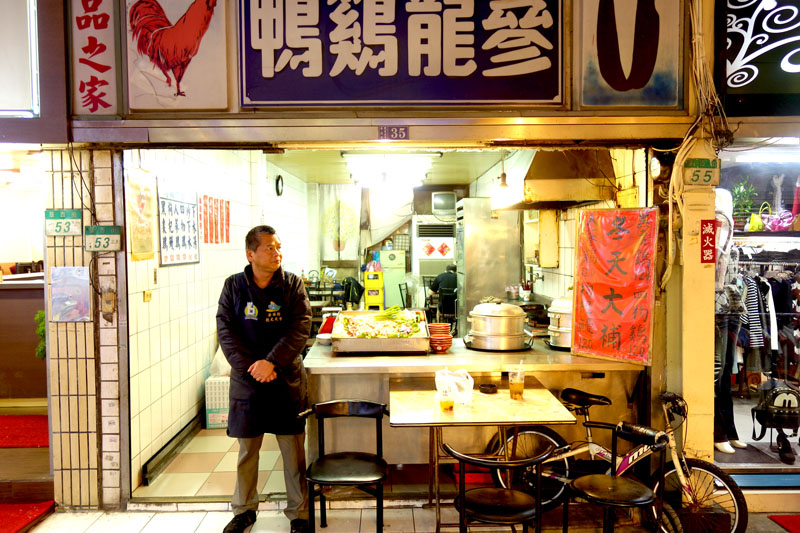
{"x": 446, "y": 400}
{"x": 516, "y": 383}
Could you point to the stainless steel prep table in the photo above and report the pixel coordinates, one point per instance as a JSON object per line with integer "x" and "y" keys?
{"x": 333, "y": 376}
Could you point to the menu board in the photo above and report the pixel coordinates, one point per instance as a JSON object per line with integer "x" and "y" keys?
{"x": 614, "y": 284}
{"x": 178, "y": 232}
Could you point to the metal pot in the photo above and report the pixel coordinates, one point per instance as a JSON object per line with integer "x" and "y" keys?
{"x": 560, "y": 313}
{"x": 497, "y": 319}
{"x": 561, "y": 337}
{"x": 498, "y": 342}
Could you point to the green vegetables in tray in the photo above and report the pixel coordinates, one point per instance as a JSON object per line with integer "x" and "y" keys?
{"x": 393, "y": 322}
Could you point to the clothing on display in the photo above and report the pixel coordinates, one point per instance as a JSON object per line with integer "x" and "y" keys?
{"x": 757, "y": 338}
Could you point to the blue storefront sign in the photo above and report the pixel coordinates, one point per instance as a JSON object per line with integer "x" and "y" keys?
{"x": 400, "y": 52}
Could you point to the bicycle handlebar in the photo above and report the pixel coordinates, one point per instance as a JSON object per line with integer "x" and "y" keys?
{"x": 641, "y": 434}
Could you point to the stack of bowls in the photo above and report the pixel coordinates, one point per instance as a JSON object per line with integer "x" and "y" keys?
{"x": 441, "y": 340}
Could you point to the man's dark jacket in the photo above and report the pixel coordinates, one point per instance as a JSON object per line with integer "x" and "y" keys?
{"x": 273, "y": 324}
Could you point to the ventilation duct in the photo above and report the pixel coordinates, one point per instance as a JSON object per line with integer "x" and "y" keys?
{"x": 558, "y": 179}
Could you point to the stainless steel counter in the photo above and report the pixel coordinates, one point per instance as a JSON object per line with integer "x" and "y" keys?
{"x": 334, "y": 376}
{"x": 321, "y": 360}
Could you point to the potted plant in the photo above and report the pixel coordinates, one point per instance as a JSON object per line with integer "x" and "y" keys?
{"x": 41, "y": 348}
{"x": 744, "y": 195}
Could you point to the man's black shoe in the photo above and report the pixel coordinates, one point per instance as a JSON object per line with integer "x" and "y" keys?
{"x": 240, "y": 522}
{"x": 299, "y": 526}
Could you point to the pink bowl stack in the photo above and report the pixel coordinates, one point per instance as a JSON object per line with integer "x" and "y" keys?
{"x": 441, "y": 340}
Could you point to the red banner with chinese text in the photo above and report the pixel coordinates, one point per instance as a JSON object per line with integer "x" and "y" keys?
{"x": 614, "y": 284}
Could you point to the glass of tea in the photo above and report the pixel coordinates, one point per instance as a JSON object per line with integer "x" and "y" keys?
{"x": 446, "y": 399}
{"x": 516, "y": 383}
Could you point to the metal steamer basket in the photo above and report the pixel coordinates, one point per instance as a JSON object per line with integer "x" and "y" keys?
{"x": 560, "y": 329}
{"x": 498, "y": 326}
{"x": 380, "y": 345}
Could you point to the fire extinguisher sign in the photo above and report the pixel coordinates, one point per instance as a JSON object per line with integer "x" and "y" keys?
{"x": 708, "y": 241}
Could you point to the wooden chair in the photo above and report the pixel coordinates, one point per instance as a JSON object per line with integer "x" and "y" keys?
{"x": 363, "y": 470}
{"x": 493, "y": 505}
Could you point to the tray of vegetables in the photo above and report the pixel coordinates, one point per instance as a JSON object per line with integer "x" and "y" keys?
{"x": 391, "y": 330}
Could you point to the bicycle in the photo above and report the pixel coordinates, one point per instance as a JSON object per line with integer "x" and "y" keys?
{"x": 695, "y": 491}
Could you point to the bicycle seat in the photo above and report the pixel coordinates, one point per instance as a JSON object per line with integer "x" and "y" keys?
{"x": 583, "y": 399}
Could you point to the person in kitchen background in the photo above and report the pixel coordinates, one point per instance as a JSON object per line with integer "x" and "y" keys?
{"x": 263, "y": 322}
{"x": 445, "y": 280}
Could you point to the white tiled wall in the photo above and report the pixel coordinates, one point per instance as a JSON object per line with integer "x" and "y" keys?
{"x": 173, "y": 336}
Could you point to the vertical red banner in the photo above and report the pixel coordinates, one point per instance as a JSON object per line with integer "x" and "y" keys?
{"x": 227, "y": 221}
{"x": 217, "y": 221}
{"x": 708, "y": 241}
{"x": 614, "y": 284}
{"x": 204, "y": 210}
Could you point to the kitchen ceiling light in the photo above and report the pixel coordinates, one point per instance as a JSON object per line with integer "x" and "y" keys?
{"x": 370, "y": 170}
{"x": 503, "y": 195}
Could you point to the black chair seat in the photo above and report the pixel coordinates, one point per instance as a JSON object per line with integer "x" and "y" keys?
{"x": 499, "y": 506}
{"x": 615, "y": 491}
{"x": 583, "y": 399}
{"x": 348, "y": 468}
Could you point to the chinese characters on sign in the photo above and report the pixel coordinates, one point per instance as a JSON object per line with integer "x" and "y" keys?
{"x": 614, "y": 284}
{"x": 216, "y": 215}
{"x": 369, "y": 52}
{"x": 140, "y": 196}
{"x": 708, "y": 241}
{"x": 94, "y": 62}
{"x": 178, "y": 232}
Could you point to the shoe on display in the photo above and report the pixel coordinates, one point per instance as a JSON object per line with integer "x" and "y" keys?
{"x": 240, "y": 522}
{"x": 785, "y": 451}
{"x": 724, "y": 447}
{"x": 299, "y": 526}
{"x": 738, "y": 444}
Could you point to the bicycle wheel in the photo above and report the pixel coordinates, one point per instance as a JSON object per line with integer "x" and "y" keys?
{"x": 554, "y": 472}
{"x": 715, "y": 497}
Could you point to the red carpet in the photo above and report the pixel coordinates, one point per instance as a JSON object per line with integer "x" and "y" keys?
{"x": 23, "y": 431}
{"x": 789, "y": 522}
{"x": 17, "y": 517}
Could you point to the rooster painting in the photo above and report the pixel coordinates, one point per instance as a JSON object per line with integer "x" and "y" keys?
{"x": 170, "y": 47}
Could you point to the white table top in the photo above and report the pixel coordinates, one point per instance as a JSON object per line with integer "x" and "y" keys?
{"x": 421, "y": 408}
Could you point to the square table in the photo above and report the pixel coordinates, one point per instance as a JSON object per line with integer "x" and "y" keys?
{"x": 415, "y": 406}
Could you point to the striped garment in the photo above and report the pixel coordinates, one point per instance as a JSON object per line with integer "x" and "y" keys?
{"x": 752, "y": 318}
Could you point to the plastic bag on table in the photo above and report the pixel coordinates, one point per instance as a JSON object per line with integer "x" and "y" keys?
{"x": 459, "y": 382}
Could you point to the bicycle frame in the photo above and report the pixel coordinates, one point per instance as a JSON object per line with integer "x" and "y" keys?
{"x": 625, "y": 462}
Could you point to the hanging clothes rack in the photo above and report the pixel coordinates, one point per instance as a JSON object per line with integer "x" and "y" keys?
{"x": 769, "y": 263}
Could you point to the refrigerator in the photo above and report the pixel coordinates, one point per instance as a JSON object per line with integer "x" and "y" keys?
{"x": 393, "y": 263}
{"x": 487, "y": 253}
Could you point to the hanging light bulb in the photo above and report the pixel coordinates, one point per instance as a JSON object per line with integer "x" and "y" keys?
{"x": 503, "y": 195}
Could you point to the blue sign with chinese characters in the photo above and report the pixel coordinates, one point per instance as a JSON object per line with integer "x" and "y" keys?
{"x": 400, "y": 52}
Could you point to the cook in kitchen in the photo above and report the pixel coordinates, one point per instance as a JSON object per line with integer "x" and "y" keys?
{"x": 263, "y": 322}
{"x": 445, "y": 280}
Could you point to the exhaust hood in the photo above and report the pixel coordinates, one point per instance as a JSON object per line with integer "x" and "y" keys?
{"x": 558, "y": 179}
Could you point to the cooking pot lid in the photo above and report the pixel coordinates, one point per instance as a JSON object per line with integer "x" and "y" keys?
{"x": 560, "y": 305}
{"x": 482, "y": 335}
{"x": 497, "y": 309}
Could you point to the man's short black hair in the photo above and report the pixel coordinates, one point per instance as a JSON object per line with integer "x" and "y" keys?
{"x": 451, "y": 268}
{"x": 253, "y": 238}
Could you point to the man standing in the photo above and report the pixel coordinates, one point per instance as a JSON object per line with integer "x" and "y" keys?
{"x": 263, "y": 321}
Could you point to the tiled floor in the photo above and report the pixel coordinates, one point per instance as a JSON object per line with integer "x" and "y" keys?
{"x": 206, "y": 467}
{"x": 407, "y": 520}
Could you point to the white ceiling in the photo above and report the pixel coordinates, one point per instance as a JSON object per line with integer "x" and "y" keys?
{"x": 453, "y": 167}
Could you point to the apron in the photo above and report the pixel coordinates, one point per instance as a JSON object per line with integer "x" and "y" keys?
{"x": 258, "y": 408}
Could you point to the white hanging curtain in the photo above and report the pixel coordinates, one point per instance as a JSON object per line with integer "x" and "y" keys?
{"x": 389, "y": 208}
{"x": 339, "y": 222}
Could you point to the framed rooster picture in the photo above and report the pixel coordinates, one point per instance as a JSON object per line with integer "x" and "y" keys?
{"x": 176, "y": 54}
